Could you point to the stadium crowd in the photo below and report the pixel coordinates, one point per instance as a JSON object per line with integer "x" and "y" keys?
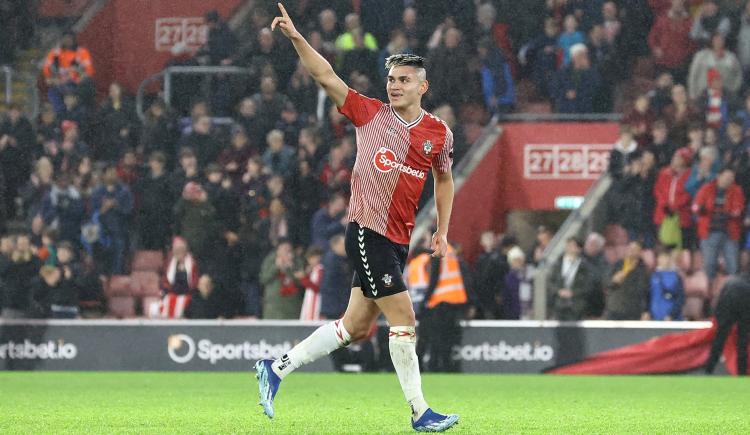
{"x": 198, "y": 218}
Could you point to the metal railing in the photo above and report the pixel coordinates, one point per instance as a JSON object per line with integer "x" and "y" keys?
{"x": 166, "y": 76}
{"x": 8, "y": 72}
{"x": 572, "y": 226}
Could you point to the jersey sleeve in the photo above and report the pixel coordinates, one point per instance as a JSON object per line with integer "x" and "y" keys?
{"x": 443, "y": 161}
{"x": 359, "y": 109}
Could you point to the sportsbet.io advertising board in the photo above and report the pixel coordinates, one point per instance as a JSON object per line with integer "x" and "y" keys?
{"x": 486, "y": 347}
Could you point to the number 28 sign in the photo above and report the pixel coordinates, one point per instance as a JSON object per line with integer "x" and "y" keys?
{"x": 565, "y": 161}
{"x": 190, "y": 31}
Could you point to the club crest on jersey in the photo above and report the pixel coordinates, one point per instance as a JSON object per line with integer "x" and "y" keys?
{"x": 385, "y": 161}
{"x": 388, "y": 280}
{"x": 427, "y": 147}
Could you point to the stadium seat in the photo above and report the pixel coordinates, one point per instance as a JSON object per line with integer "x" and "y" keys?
{"x": 148, "y": 261}
{"x": 649, "y": 259}
{"x": 118, "y": 285}
{"x": 696, "y": 284}
{"x": 693, "y": 308}
{"x": 145, "y": 283}
{"x": 121, "y": 306}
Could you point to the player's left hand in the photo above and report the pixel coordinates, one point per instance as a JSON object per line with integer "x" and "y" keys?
{"x": 439, "y": 245}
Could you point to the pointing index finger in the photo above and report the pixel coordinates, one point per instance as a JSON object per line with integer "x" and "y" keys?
{"x": 283, "y": 10}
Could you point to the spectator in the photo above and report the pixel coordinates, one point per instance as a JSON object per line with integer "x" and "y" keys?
{"x": 667, "y": 291}
{"x": 398, "y": 43}
{"x": 661, "y": 96}
{"x": 180, "y": 279}
{"x": 278, "y": 157}
{"x": 497, "y": 79}
{"x": 448, "y": 85}
{"x": 202, "y": 141}
{"x": 290, "y": 124}
{"x": 360, "y": 58}
{"x": 221, "y": 43}
{"x": 623, "y": 148}
{"x": 628, "y": 284}
{"x": 113, "y": 202}
{"x": 735, "y": 143}
{"x": 593, "y": 252}
{"x": 63, "y": 209}
{"x": 282, "y": 298}
{"x": 708, "y": 22}
{"x": 203, "y": 300}
{"x": 743, "y": 40}
{"x": 17, "y": 148}
{"x": 156, "y": 201}
{"x": 635, "y": 198}
{"x": 704, "y": 171}
{"x": 604, "y": 60}
{"x": 544, "y": 236}
{"x": 306, "y": 188}
{"x": 311, "y": 281}
{"x": 719, "y": 207}
{"x": 569, "y": 284}
{"x": 337, "y": 279}
{"x": 117, "y": 124}
{"x": 234, "y": 159}
{"x": 159, "y": 133}
{"x": 181, "y": 274}
{"x": 568, "y": 38}
{"x": 490, "y": 270}
{"x": 66, "y": 68}
{"x": 251, "y": 123}
{"x": 17, "y": 278}
{"x": 514, "y": 279}
{"x": 680, "y": 115}
{"x": 269, "y": 58}
{"x": 345, "y": 42}
{"x": 269, "y": 104}
{"x": 187, "y": 173}
{"x": 671, "y": 196}
{"x": 712, "y": 62}
{"x": 196, "y": 221}
{"x": 661, "y": 146}
{"x": 611, "y": 22}
{"x": 576, "y": 85}
{"x": 670, "y": 41}
{"x": 303, "y": 91}
{"x": 329, "y": 221}
{"x": 640, "y": 119}
{"x": 540, "y": 55}
{"x": 715, "y": 103}
{"x": 275, "y": 228}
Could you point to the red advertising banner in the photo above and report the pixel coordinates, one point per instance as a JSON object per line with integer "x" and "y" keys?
{"x": 530, "y": 166}
{"x": 130, "y": 40}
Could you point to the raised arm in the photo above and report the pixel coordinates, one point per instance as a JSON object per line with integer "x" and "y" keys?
{"x": 316, "y": 65}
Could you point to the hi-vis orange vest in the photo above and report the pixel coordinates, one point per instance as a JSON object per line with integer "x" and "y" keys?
{"x": 417, "y": 278}
{"x": 450, "y": 287}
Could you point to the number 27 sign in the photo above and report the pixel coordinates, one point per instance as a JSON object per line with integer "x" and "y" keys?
{"x": 565, "y": 161}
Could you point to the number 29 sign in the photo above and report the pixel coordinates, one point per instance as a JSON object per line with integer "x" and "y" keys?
{"x": 565, "y": 161}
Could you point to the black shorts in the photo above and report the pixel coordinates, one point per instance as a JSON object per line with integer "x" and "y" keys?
{"x": 378, "y": 263}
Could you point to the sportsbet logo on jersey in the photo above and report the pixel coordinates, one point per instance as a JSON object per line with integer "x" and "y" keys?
{"x": 385, "y": 161}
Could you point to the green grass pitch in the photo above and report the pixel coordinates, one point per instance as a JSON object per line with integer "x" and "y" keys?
{"x": 199, "y": 403}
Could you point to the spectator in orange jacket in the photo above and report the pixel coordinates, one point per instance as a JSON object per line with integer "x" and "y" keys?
{"x": 65, "y": 68}
{"x": 671, "y": 196}
{"x": 719, "y": 206}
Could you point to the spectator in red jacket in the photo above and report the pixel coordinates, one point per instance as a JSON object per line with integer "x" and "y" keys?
{"x": 670, "y": 40}
{"x": 719, "y": 206}
{"x": 671, "y": 196}
{"x": 180, "y": 280}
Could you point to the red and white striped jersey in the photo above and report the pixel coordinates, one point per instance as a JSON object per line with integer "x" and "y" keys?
{"x": 393, "y": 160}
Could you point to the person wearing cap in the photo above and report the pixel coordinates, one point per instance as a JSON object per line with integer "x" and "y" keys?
{"x": 576, "y": 85}
{"x": 714, "y": 62}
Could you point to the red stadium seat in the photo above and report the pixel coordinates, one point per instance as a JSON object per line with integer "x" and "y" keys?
{"x": 121, "y": 306}
{"x": 696, "y": 284}
{"x": 148, "y": 261}
{"x": 145, "y": 283}
{"x": 118, "y": 285}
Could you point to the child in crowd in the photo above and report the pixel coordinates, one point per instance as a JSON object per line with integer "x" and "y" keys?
{"x": 667, "y": 291}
